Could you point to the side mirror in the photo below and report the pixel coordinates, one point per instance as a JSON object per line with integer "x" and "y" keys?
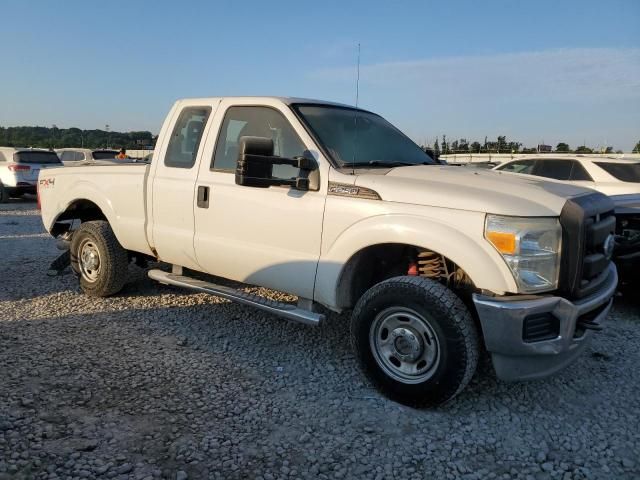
{"x": 255, "y": 165}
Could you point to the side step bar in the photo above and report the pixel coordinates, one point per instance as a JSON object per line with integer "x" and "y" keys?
{"x": 284, "y": 310}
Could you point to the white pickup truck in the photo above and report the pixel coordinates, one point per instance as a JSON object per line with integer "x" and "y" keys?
{"x": 334, "y": 205}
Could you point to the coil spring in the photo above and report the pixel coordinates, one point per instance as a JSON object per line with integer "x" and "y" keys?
{"x": 430, "y": 264}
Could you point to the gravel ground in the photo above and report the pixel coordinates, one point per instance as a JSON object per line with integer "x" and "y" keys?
{"x": 159, "y": 383}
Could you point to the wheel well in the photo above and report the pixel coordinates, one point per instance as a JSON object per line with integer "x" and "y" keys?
{"x": 376, "y": 263}
{"x": 83, "y": 210}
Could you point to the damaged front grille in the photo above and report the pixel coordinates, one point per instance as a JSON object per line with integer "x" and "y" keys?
{"x": 588, "y": 225}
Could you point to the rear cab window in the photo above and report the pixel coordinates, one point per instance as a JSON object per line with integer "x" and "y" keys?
{"x": 36, "y": 157}
{"x": 186, "y": 136}
{"x": 625, "y": 172}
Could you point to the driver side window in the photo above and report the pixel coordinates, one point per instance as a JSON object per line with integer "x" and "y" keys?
{"x": 257, "y": 122}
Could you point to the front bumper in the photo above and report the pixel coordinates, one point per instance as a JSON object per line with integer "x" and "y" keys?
{"x": 503, "y": 322}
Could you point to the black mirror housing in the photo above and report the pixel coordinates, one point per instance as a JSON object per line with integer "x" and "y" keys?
{"x": 255, "y": 165}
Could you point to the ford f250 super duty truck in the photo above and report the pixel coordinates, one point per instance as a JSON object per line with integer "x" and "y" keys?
{"x": 334, "y": 205}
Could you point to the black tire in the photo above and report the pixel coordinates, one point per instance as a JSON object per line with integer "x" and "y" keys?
{"x": 110, "y": 275}
{"x": 449, "y": 331}
{"x": 4, "y": 194}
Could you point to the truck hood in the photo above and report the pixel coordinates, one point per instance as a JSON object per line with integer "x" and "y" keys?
{"x": 471, "y": 189}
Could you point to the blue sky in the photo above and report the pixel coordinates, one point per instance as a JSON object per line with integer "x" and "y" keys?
{"x": 533, "y": 71}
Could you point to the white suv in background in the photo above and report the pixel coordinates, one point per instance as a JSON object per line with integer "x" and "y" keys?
{"x": 73, "y": 156}
{"x": 616, "y": 177}
{"x": 611, "y": 176}
{"x": 19, "y": 170}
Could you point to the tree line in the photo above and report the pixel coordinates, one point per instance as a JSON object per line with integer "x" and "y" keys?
{"x": 502, "y": 145}
{"x": 53, "y": 137}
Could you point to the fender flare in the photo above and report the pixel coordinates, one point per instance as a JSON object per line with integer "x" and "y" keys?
{"x": 484, "y": 265}
{"x": 85, "y": 190}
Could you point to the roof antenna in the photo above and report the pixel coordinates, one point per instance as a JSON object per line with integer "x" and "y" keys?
{"x": 355, "y": 117}
{"x": 358, "y": 78}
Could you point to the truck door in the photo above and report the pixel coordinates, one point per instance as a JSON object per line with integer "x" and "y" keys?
{"x": 263, "y": 236}
{"x": 173, "y": 185}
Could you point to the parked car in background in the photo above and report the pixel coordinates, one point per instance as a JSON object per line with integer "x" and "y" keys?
{"x": 73, "y": 156}
{"x": 19, "y": 169}
{"x": 611, "y": 176}
{"x": 618, "y": 178}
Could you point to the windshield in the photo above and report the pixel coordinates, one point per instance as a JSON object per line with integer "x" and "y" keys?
{"x": 358, "y": 138}
{"x": 36, "y": 157}
{"x": 625, "y": 172}
{"x": 104, "y": 154}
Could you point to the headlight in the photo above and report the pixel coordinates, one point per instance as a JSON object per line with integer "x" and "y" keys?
{"x": 530, "y": 247}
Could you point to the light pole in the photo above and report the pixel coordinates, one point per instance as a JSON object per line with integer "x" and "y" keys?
{"x": 108, "y": 135}
{"x": 53, "y": 135}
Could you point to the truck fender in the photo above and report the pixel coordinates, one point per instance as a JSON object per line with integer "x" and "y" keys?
{"x": 85, "y": 190}
{"x": 475, "y": 256}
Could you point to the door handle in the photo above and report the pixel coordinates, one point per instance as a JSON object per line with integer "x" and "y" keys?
{"x": 203, "y": 196}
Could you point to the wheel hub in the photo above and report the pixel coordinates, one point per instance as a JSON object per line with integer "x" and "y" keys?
{"x": 404, "y": 344}
{"x": 89, "y": 261}
{"x": 408, "y": 346}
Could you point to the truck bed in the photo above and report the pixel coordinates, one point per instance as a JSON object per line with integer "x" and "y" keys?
{"x": 119, "y": 190}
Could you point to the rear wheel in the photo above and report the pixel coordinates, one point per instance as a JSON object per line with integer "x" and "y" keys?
{"x": 415, "y": 340}
{"x": 98, "y": 258}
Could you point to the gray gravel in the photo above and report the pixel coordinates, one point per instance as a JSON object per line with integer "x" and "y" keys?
{"x": 159, "y": 383}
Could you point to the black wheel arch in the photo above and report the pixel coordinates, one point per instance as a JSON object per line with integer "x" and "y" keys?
{"x": 376, "y": 263}
{"x": 80, "y": 209}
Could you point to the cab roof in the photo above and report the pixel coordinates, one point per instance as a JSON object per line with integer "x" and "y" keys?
{"x": 285, "y": 100}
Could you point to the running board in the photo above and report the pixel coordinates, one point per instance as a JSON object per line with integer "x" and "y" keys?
{"x": 284, "y": 310}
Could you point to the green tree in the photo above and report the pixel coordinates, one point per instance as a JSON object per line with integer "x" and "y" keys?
{"x": 71, "y": 137}
{"x": 514, "y": 147}
{"x": 636, "y": 149}
{"x": 563, "y": 148}
{"x": 475, "y": 147}
{"x": 436, "y": 148}
{"x": 444, "y": 145}
{"x": 583, "y": 149}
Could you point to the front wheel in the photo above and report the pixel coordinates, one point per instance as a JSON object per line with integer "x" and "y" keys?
{"x": 98, "y": 258}
{"x": 415, "y": 340}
